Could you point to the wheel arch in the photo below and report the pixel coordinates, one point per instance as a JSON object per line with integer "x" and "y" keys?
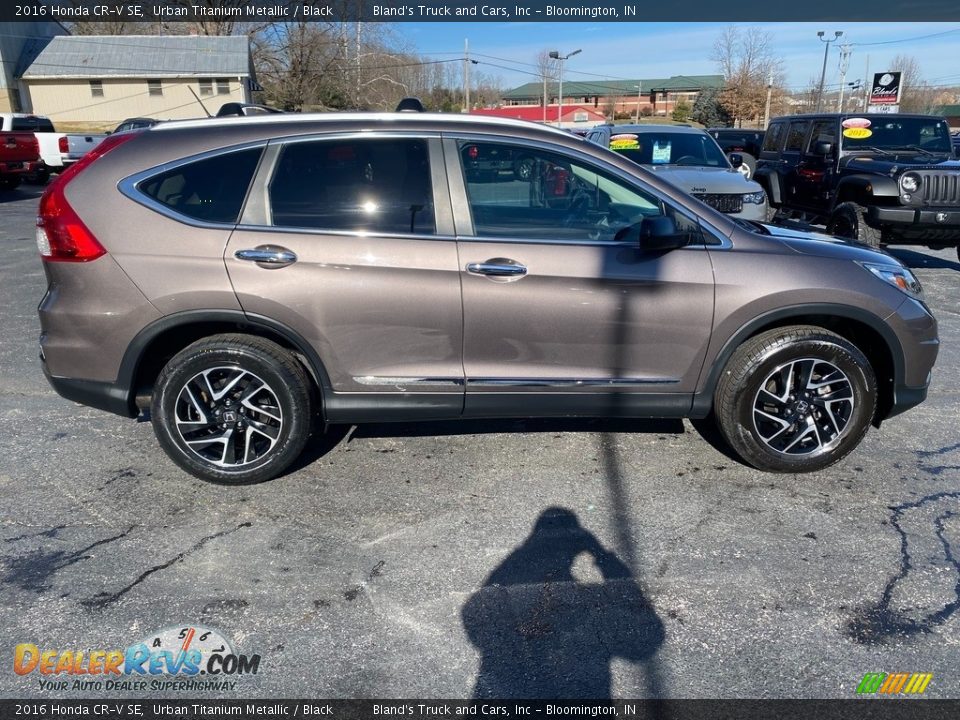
{"x": 153, "y": 347}
{"x": 864, "y": 188}
{"x": 769, "y": 180}
{"x": 864, "y": 329}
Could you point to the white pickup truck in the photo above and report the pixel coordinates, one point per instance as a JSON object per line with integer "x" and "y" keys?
{"x": 57, "y": 150}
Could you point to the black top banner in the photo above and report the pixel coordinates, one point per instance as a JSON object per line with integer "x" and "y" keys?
{"x": 476, "y": 10}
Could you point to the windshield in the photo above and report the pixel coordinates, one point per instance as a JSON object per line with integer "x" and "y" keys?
{"x": 898, "y": 133}
{"x": 667, "y": 148}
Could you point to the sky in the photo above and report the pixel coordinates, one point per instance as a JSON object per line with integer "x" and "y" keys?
{"x": 623, "y": 50}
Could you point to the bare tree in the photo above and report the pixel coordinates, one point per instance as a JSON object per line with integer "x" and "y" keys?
{"x": 748, "y": 62}
{"x": 916, "y": 95}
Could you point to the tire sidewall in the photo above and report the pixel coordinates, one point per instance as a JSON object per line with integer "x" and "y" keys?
{"x": 294, "y": 412}
{"x": 864, "y": 396}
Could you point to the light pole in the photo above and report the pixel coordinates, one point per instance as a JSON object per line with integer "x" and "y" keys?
{"x": 555, "y": 54}
{"x": 826, "y": 50}
{"x": 636, "y": 117}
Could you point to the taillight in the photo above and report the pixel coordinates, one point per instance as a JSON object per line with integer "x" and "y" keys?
{"x": 64, "y": 144}
{"x": 61, "y": 234}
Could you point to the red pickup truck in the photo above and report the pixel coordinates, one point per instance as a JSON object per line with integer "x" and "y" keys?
{"x": 19, "y": 156}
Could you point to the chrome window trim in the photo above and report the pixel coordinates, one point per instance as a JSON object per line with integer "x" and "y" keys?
{"x": 129, "y": 186}
{"x": 340, "y": 233}
{"x": 451, "y": 140}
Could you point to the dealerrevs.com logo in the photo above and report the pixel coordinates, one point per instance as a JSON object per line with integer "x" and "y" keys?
{"x": 894, "y": 683}
{"x": 170, "y": 659}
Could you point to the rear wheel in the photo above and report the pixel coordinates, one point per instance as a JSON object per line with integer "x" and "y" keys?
{"x": 849, "y": 221}
{"x": 795, "y": 399}
{"x": 39, "y": 177}
{"x": 232, "y": 409}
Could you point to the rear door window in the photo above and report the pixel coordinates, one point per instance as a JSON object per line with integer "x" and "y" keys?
{"x": 212, "y": 189}
{"x": 798, "y": 130}
{"x": 363, "y": 185}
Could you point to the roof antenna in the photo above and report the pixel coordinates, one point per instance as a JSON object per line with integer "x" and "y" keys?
{"x": 190, "y": 88}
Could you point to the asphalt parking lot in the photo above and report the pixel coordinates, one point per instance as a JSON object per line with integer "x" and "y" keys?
{"x": 524, "y": 559}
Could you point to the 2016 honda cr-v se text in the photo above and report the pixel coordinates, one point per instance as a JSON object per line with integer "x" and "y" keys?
{"x": 246, "y": 279}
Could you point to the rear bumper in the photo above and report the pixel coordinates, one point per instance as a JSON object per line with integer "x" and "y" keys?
{"x": 930, "y": 224}
{"x": 94, "y": 393}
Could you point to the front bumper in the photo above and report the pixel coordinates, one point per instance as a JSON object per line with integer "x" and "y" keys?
{"x": 916, "y": 329}
{"x": 927, "y": 224}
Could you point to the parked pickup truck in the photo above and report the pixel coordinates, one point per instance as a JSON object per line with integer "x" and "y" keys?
{"x": 19, "y": 156}
{"x": 57, "y": 150}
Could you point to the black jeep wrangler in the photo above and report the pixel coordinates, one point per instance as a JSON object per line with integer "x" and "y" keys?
{"x": 878, "y": 178}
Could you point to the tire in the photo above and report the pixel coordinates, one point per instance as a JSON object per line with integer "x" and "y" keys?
{"x": 523, "y": 169}
{"x": 10, "y": 183}
{"x": 848, "y": 221}
{"x": 753, "y": 392}
{"x": 251, "y": 384}
{"x": 41, "y": 177}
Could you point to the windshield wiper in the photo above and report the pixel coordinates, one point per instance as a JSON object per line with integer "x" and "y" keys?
{"x": 917, "y": 148}
{"x": 871, "y": 148}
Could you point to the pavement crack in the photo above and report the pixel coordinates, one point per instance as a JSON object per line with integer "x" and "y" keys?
{"x": 102, "y": 600}
{"x": 34, "y": 570}
{"x": 913, "y": 522}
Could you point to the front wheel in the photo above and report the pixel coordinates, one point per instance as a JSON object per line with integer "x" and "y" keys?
{"x": 849, "y": 221}
{"x": 232, "y": 409}
{"x": 795, "y": 399}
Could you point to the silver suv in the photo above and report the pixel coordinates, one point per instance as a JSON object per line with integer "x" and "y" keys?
{"x": 245, "y": 279}
{"x": 692, "y": 160}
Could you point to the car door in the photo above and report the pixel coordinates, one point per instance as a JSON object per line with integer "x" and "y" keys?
{"x": 347, "y": 241}
{"x": 563, "y": 313}
{"x": 792, "y": 182}
{"x": 815, "y": 170}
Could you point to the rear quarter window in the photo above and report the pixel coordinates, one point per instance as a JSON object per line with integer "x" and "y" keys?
{"x": 798, "y": 130}
{"x": 211, "y": 190}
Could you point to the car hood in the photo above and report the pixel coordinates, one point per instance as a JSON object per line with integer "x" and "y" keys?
{"x": 893, "y": 164}
{"x": 806, "y": 242}
{"x": 705, "y": 179}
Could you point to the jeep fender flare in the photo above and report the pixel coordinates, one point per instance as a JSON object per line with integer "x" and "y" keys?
{"x": 863, "y": 188}
{"x": 769, "y": 180}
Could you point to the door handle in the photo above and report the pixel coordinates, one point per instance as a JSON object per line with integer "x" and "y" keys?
{"x": 497, "y": 267}
{"x": 270, "y": 256}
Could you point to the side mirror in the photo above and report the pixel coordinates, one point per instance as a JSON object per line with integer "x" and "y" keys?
{"x": 660, "y": 234}
{"x": 736, "y": 160}
{"x": 823, "y": 148}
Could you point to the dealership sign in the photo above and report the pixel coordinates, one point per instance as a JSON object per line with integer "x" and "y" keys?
{"x": 885, "y": 93}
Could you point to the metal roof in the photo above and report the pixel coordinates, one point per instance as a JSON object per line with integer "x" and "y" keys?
{"x": 606, "y": 88}
{"x": 140, "y": 56}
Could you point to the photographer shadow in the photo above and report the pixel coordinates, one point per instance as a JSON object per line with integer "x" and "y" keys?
{"x": 543, "y": 633}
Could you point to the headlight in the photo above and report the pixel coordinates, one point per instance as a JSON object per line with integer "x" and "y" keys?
{"x": 899, "y": 277}
{"x": 757, "y": 198}
{"x": 910, "y": 182}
